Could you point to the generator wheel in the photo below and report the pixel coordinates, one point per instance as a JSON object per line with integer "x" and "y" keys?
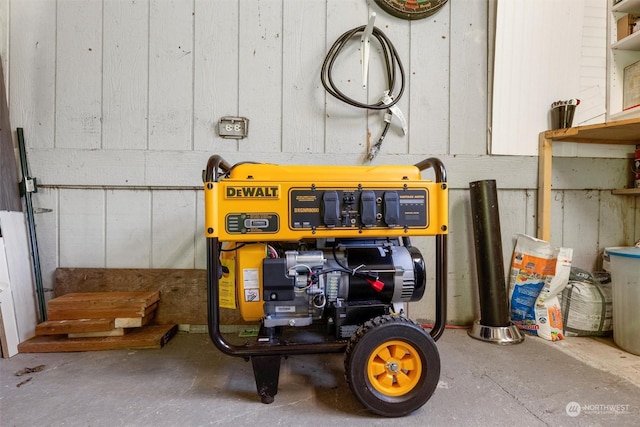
{"x": 392, "y": 365}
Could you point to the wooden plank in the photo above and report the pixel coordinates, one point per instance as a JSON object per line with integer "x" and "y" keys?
{"x": 100, "y": 313}
{"x": 148, "y": 337}
{"x": 101, "y": 300}
{"x": 544, "y": 187}
{"x": 63, "y": 327}
{"x": 626, "y": 191}
{"x": 133, "y": 322}
{"x": 116, "y": 332}
{"x": 618, "y": 132}
{"x": 184, "y": 292}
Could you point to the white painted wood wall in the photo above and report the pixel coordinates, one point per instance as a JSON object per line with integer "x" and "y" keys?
{"x": 119, "y": 101}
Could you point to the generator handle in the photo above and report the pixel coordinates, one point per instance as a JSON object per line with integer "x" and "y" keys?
{"x": 437, "y": 165}
{"x": 441, "y": 255}
{"x": 215, "y": 163}
{"x": 441, "y": 287}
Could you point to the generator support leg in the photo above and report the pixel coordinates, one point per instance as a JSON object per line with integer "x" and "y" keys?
{"x": 266, "y": 371}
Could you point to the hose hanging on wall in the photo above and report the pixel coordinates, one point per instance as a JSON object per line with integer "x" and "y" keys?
{"x": 392, "y": 65}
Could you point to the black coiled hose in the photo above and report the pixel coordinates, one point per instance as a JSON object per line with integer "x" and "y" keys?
{"x": 392, "y": 64}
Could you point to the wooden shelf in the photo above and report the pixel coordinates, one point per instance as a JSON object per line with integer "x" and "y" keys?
{"x": 618, "y": 132}
{"x": 627, "y": 192}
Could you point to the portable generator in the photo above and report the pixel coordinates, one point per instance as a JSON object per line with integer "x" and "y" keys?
{"x": 321, "y": 258}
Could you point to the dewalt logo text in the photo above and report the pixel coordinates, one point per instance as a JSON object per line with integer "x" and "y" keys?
{"x": 252, "y": 192}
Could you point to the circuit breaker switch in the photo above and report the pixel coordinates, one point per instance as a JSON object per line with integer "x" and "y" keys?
{"x": 391, "y": 207}
{"x": 368, "y": 208}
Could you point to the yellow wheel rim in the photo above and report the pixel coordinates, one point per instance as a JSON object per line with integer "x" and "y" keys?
{"x": 394, "y": 368}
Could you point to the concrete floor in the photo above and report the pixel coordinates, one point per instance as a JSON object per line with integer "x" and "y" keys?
{"x": 189, "y": 383}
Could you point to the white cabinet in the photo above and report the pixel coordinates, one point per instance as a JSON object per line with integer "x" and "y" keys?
{"x": 621, "y": 53}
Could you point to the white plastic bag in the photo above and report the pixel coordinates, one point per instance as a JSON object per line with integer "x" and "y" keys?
{"x": 586, "y": 305}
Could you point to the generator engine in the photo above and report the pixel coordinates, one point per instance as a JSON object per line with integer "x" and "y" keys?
{"x": 320, "y": 257}
{"x": 345, "y": 284}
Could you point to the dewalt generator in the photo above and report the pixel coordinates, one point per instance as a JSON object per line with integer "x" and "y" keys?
{"x": 321, "y": 258}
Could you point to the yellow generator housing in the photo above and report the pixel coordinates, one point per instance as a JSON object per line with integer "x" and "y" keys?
{"x": 321, "y": 257}
{"x": 273, "y": 202}
{"x": 267, "y": 202}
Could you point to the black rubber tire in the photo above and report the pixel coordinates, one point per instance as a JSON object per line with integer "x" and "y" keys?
{"x": 373, "y": 335}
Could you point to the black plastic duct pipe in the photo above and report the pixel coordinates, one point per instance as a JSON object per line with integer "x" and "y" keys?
{"x": 488, "y": 246}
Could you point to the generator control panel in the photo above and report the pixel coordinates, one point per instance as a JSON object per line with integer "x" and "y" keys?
{"x": 336, "y": 208}
{"x": 265, "y": 201}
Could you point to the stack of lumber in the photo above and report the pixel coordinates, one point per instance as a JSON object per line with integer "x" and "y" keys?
{"x": 99, "y": 321}
{"x": 183, "y": 291}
